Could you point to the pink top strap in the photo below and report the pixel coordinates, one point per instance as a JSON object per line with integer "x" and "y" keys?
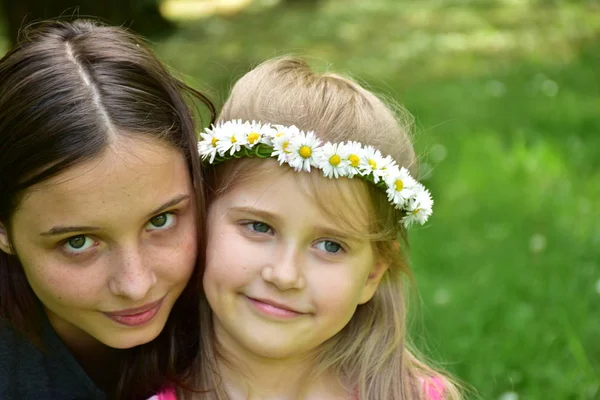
{"x": 165, "y": 394}
{"x": 434, "y": 388}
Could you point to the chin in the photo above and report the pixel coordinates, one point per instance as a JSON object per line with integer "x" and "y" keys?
{"x": 132, "y": 339}
{"x": 273, "y": 351}
{"x": 128, "y": 337}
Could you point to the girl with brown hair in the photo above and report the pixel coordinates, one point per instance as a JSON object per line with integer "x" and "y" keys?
{"x": 101, "y": 216}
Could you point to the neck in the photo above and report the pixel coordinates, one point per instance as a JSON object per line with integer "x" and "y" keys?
{"x": 99, "y": 361}
{"x": 249, "y": 376}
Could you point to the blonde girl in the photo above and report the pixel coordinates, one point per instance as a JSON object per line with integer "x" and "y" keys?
{"x": 312, "y": 192}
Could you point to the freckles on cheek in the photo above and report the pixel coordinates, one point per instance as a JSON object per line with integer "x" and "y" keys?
{"x": 62, "y": 287}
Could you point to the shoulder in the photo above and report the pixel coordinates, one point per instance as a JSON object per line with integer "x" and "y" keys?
{"x": 14, "y": 348}
{"x": 30, "y": 371}
{"x": 17, "y": 359}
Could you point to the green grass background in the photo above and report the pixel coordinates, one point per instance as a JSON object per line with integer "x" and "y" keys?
{"x": 506, "y": 96}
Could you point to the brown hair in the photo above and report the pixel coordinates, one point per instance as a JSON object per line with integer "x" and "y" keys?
{"x": 66, "y": 91}
{"x": 371, "y": 354}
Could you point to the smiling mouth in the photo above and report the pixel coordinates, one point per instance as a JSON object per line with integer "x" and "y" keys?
{"x": 274, "y": 309}
{"x": 136, "y": 316}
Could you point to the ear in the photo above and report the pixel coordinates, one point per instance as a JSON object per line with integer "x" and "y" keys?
{"x": 372, "y": 283}
{"x": 4, "y": 242}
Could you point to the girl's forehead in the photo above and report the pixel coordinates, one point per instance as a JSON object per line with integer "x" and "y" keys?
{"x": 122, "y": 157}
{"x": 120, "y": 184}
{"x": 342, "y": 201}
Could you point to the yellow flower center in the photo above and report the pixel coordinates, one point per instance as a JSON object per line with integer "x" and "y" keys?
{"x": 233, "y": 139}
{"x": 354, "y": 160}
{"x": 373, "y": 164}
{"x": 253, "y": 137}
{"x": 399, "y": 185}
{"x": 416, "y": 211}
{"x": 305, "y": 151}
{"x": 280, "y": 134}
{"x": 214, "y": 142}
{"x": 335, "y": 160}
{"x": 285, "y": 147}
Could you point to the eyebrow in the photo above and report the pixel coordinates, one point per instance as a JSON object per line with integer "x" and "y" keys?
{"x": 61, "y": 230}
{"x": 324, "y": 231}
{"x": 256, "y": 212}
{"x": 318, "y": 230}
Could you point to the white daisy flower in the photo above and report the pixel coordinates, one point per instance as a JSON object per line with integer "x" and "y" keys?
{"x": 207, "y": 147}
{"x": 354, "y": 155}
{"x": 332, "y": 160}
{"x": 419, "y": 207}
{"x": 371, "y": 163}
{"x": 400, "y": 185}
{"x": 257, "y": 134}
{"x": 231, "y": 138}
{"x": 303, "y": 151}
{"x": 289, "y": 131}
{"x": 281, "y": 146}
{"x": 267, "y": 134}
{"x": 387, "y": 163}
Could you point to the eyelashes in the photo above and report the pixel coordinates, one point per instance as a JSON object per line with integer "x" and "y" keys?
{"x": 162, "y": 221}
{"x": 81, "y": 244}
{"x": 328, "y": 246}
{"x": 78, "y": 244}
{"x": 257, "y": 227}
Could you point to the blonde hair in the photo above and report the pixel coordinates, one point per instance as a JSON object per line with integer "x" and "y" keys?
{"x": 370, "y": 355}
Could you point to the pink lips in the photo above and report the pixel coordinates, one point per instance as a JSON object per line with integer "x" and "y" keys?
{"x": 274, "y": 309}
{"x": 136, "y": 316}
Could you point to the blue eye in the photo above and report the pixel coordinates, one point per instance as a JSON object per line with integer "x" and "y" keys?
{"x": 78, "y": 244}
{"x": 329, "y": 246}
{"x": 259, "y": 227}
{"x": 161, "y": 221}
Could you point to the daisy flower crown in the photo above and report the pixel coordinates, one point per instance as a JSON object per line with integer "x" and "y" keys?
{"x": 303, "y": 151}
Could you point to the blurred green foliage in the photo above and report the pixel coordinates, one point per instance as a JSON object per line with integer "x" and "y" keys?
{"x": 506, "y": 95}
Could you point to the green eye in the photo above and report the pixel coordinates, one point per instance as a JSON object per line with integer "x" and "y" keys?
{"x": 329, "y": 246}
{"x": 77, "y": 242}
{"x": 159, "y": 221}
{"x": 260, "y": 227}
{"x": 332, "y": 247}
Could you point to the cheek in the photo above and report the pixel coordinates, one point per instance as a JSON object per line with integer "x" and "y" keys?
{"x": 336, "y": 290}
{"x": 179, "y": 262}
{"x": 229, "y": 261}
{"x": 53, "y": 283}
{"x": 221, "y": 269}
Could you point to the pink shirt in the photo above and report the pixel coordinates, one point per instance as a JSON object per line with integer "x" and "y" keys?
{"x": 433, "y": 387}
{"x": 166, "y": 394}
